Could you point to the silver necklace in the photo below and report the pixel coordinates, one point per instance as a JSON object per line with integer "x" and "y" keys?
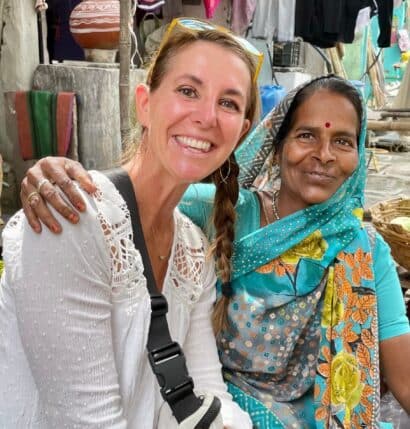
{"x": 274, "y": 206}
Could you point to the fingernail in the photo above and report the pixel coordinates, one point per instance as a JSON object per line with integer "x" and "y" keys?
{"x": 80, "y": 206}
{"x": 55, "y": 229}
{"x": 37, "y": 228}
{"x": 73, "y": 218}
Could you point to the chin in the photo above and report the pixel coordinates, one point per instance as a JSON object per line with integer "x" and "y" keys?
{"x": 190, "y": 175}
{"x": 318, "y": 198}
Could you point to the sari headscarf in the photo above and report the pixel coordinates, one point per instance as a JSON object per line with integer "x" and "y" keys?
{"x": 336, "y": 217}
{"x": 303, "y": 319}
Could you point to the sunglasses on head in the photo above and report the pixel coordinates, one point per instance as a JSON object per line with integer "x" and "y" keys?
{"x": 197, "y": 25}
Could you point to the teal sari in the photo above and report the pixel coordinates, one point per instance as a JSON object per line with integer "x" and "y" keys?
{"x": 301, "y": 347}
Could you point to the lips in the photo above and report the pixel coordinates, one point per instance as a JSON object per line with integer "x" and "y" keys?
{"x": 320, "y": 176}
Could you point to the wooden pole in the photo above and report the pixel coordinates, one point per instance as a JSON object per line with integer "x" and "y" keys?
{"x": 385, "y": 115}
{"x": 125, "y": 59}
{"x": 388, "y": 125}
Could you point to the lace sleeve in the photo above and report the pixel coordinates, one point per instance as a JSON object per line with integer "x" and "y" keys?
{"x": 61, "y": 287}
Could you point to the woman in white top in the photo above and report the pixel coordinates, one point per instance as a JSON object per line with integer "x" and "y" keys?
{"x": 74, "y": 307}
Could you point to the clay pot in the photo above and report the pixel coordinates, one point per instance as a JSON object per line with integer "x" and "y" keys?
{"x": 95, "y": 24}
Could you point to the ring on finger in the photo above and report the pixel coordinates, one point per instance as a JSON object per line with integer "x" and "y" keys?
{"x": 31, "y": 196}
{"x": 40, "y": 183}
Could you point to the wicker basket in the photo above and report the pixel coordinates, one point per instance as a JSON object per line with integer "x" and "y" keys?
{"x": 395, "y": 235}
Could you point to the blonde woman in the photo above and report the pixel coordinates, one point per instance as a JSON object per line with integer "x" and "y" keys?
{"x": 74, "y": 307}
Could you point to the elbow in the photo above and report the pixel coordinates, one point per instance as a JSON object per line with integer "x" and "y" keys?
{"x": 405, "y": 402}
{"x": 403, "y": 396}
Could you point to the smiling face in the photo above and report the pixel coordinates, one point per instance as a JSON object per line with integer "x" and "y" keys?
{"x": 319, "y": 152}
{"x": 196, "y": 116}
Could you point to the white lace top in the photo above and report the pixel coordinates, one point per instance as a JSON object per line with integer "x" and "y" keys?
{"x": 74, "y": 318}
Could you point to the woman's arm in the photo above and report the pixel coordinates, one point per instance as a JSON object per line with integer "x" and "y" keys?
{"x": 62, "y": 295}
{"x": 394, "y": 330}
{"x": 394, "y": 357}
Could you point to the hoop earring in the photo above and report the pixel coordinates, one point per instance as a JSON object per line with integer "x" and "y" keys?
{"x": 225, "y": 179}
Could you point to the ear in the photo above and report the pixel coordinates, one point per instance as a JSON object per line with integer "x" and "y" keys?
{"x": 142, "y": 104}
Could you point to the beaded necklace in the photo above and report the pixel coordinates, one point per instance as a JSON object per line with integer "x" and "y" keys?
{"x": 274, "y": 206}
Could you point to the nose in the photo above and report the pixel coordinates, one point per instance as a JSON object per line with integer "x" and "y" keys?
{"x": 205, "y": 113}
{"x": 324, "y": 152}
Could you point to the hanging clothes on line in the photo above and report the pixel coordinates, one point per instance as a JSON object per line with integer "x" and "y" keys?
{"x": 210, "y": 7}
{"x": 274, "y": 19}
{"x": 385, "y": 17}
{"x": 363, "y": 19}
{"x": 324, "y": 23}
{"x": 241, "y": 16}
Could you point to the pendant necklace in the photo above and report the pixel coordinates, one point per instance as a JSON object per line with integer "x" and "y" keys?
{"x": 166, "y": 256}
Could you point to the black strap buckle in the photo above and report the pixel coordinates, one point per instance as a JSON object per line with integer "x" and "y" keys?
{"x": 159, "y": 305}
{"x": 168, "y": 364}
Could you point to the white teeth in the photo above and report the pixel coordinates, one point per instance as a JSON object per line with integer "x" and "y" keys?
{"x": 194, "y": 143}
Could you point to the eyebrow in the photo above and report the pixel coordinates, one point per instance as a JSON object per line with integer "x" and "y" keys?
{"x": 198, "y": 81}
{"x": 339, "y": 133}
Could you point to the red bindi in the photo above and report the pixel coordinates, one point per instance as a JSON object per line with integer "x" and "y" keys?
{"x": 327, "y": 124}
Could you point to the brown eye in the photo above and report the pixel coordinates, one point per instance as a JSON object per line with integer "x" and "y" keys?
{"x": 187, "y": 91}
{"x": 344, "y": 142}
{"x": 229, "y": 104}
{"x": 305, "y": 136}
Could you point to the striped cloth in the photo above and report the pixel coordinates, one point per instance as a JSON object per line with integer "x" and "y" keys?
{"x": 45, "y": 123}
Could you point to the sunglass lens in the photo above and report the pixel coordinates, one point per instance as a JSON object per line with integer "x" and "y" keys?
{"x": 195, "y": 25}
{"x": 248, "y": 46}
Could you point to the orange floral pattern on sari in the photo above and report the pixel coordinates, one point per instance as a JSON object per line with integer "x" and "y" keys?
{"x": 359, "y": 262}
{"x": 349, "y": 399}
{"x": 276, "y": 266}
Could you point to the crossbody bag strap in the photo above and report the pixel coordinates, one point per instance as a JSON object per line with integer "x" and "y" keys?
{"x": 165, "y": 355}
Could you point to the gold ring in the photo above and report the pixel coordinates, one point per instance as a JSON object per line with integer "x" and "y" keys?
{"x": 41, "y": 183}
{"x": 32, "y": 195}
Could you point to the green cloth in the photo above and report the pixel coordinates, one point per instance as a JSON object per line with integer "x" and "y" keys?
{"x": 43, "y": 118}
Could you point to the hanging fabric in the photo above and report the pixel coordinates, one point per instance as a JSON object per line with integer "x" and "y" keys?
{"x": 363, "y": 19}
{"x": 210, "y": 7}
{"x": 274, "y": 19}
{"x": 242, "y": 13}
{"x": 385, "y": 17}
{"x": 46, "y": 123}
{"x": 323, "y": 23}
